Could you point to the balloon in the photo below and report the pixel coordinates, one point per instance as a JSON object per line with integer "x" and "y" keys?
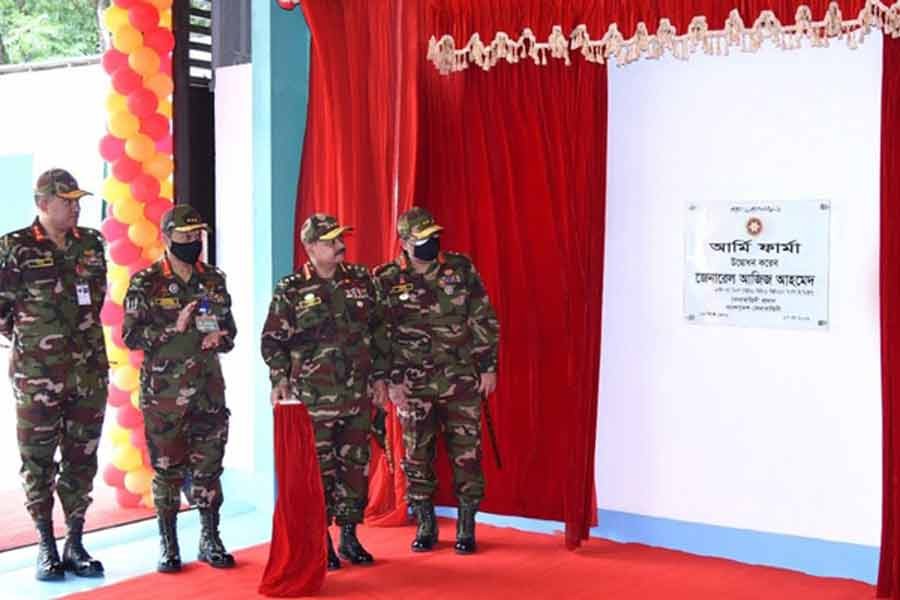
{"x": 114, "y": 17}
{"x": 161, "y": 5}
{"x": 143, "y": 17}
{"x": 129, "y": 418}
{"x": 113, "y": 60}
{"x": 116, "y": 102}
{"x": 145, "y": 456}
{"x": 165, "y": 108}
{"x": 111, "y": 148}
{"x": 111, "y": 314}
{"x": 126, "y": 4}
{"x": 126, "y": 168}
{"x": 165, "y": 145}
{"x": 113, "y": 229}
{"x": 140, "y": 147}
{"x": 167, "y": 189}
{"x": 113, "y": 476}
{"x": 161, "y": 84}
{"x": 160, "y": 166}
{"x": 123, "y": 124}
{"x": 142, "y": 103}
{"x": 124, "y": 252}
{"x": 144, "y": 61}
{"x": 156, "y": 126}
{"x": 147, "y": 500}
{"x": 136, "y": 358}
{"x": 127, "y": 39}
{"x": 126, "y": 457}
{"x": 126, "y": 80}
{"x": 160, "y": 39}
{"x": 165, "y": 64}
{"x": 126, "y": 499}
{"x": 119, "y": 436}
{"x": 116, "y": 354}
{"x": 135, "y": 400}
{"x": 115, "y": 396}
{"x": 138, "y": 439}
{"x": 117, "y": 291}
{"x": 138, "y": 481}
{"x": 115, "y": 335}
{"x": 143, "y": 233}
{"x": 129, "y": 211}
{"x": 140, "y": 264}
{"x": 154, "y": 211}
{"x": 125, "y": 377}
{"x": 144, "y": 188}
{"x": 153, "y": 253}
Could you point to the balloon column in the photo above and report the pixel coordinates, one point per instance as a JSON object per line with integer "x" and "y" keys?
{"x": 138, "y": 147}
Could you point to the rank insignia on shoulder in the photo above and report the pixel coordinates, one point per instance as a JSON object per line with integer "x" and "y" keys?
{"x": 38, "y": 263}
{"x": 310, "y": 300}
{"x": 404, "y": 288}
{"x": 167, "y": 302}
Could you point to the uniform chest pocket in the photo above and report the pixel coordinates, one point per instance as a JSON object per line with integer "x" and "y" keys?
{"x": 40, "y": 275}
{"x": 315, "y": 321}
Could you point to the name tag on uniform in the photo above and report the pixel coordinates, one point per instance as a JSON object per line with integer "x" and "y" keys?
{"x": 207, "y": 323}
{"x": 83, "y": 290}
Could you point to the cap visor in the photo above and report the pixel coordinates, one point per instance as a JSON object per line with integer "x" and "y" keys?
{"x": 427, "y": 232}
{"x": 330, "y": 235}
{"x": 74, "y": 195}
{"x": 186, "y": 228}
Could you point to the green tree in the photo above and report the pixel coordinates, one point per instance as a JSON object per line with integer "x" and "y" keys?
{"x": 35, "y": 30}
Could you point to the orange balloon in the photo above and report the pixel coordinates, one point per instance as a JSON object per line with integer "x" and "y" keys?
{"x": 143, "y": 233}
{"x": 138, "y": 480}
{"x": 153, "y": 253}
{"x": 144, "y": 61}
{"x": 147, "y": 500}
{"x": 160, "y": 166}
{"x": 114, "y": 190}
{"x": 161, "y": 5}
{"x": 129, "y": 211}
{"x": 114, "y": 17}
{"x": 123, "y": 124}
{"x": 160, "y": 84}
{"x": 127, "y": 39}
{"x": 167, "y": 189}
{"x": 165, "y": 109}
{"x": 165, "y": 18}
{"x": 140, "y": 147}
{"x": 116, "y": 102}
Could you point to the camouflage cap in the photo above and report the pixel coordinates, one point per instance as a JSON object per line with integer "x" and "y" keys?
{"x": 181, "y": 217}
{"x": 59, "y": 182}
{"x": 417, "y": 223}
{"x": 321, "y": 227}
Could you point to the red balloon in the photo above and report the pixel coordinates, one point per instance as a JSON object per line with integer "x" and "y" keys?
{"x": 125, "y": 80}
{"x": 125, "y": 498}
{"x": 126, "y": 4}
{"x": 126, "y": 169}
{"x": 113, "y": 229}
{"x": 160, "y": 39}
{"x": 123, "y": 252}
{"x": 144, "y": 17}
{"x": 129, "y": 417}
{"x": 116, "y": 397}
{"x": 144, "y": 188}
{"x": 145, "y": 456}
{"x": 111, "y": 148}
{"x": 154, "y": 211}
{"x": 111, "y": 313}
{"x": 156, "y": 126}
{"x": 136, "y": 358}
{"x": 165, "y": 145}
{"x": 139, "y": 440}
{"x": 113, "y": 60}
{"x": 116, "y": 335}
{"x": 113, "y": 477}
{"x": 142, "y": 103}
{"x": 138, "y": 265}
{"x": 165, "y": 64}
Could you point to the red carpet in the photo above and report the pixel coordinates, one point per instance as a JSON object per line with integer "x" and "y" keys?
{"x": 17, "y": 529}
{"x": 510, "y": 564}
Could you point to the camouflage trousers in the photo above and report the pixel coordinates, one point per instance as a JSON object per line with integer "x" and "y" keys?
{"x": 457, "y": 411}
{"x": 186, "y": 438}
{"x": 65, "y": 412}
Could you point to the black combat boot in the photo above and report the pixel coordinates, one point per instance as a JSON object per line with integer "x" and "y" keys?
{"x": 212, "y": 550}
{"x": 465, "y": 529}
{"x": 75, "y": 558}
{"x": 350, "y": 548}
{"x": 427, "y": 531}
{"x": 49, "y": 567}
{"x": 334, "y": 563}
{"x": 169, "y": 554}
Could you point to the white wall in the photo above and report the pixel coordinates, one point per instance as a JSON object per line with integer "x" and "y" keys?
{"x": 234, "y": 248}
{"x": 775, "y": 431}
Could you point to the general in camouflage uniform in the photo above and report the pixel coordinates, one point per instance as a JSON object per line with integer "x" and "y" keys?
{"x": 178, "y": 311}
{"x": 52, "y": 283}
{"x": 316, "y": 341}
{"x": 437, "y": 346}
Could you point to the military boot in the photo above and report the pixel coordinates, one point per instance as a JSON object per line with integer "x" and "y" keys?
{"x": 75, "y": 558}
{"x": 49, "y": 567}
{"x": 169, "y": 554}
{"x": 350, "y": 549}
{"x": 334, "y": 563}
{"x": 212, "y": 550}
{"x": 465, "y": 529}
{"x": 427, "y": 531}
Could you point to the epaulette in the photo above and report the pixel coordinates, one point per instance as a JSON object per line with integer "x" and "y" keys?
{"x": 91, "y": 233}
{"x": 384, "y": 269}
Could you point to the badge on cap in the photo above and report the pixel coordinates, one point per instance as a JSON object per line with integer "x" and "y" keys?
{"x": 173, "y": 288}
{"x": 404, "y": 296}
{"x": 448, "y": 290}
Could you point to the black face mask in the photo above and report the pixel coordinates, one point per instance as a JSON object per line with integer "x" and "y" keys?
{"x": 188, "y": 252}
{"x": 429, "y": 250}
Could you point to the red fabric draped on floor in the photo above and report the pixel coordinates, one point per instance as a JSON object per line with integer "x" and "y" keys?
{"x": 889, "y": 570}
{"x": 510, "y": 564}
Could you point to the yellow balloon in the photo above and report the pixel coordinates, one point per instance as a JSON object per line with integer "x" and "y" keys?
{"x": 117, "y": 291}
{"x": 143, "y": 234}
{"x": 118, "y": 435}
{"x": 116, "y": 354}
{"x": 165, "y": 19}
{"x": 165, "y": 108}
{"x": 144, "y": 60}
{"x": 126, "y": 378}
{"x": 129, "y": 211}
{"x": 126, "y": 458}
{"x": 147, "y": 500}
{"x": 136, "y": 398}
{"x": 138, "y": 481}
{"x": 160, "y": 84}
{"x": 127, "y": 39}
{"x": 107, "y": 335}
{"x": 160, "y": 166}
{"x": 117, "y": 272}
{"x": 116, "y": 102}
{"x": 123, "y": 124}
{"x": 114, "y": 17}
{"x": 114, "y": 190}
{"x": 140, "y": 147}
{"x": 153, "y": 253}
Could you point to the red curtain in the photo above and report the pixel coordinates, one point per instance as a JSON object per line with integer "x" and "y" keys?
{"x": 889, "y": 569}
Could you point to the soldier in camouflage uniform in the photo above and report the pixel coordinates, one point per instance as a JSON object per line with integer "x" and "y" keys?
{"x": 437, "y": 347}
{"x": 316, "y": 341}
{"x": 52, "y": 283}
{"x": 178, "y": 312}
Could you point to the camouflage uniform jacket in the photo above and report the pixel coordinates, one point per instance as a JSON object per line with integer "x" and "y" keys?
{"x": 437, "y": 319}
{"x": 155, "y": 297}
{"x": 319, "y": 331}
{"x": 50, "y": 301}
